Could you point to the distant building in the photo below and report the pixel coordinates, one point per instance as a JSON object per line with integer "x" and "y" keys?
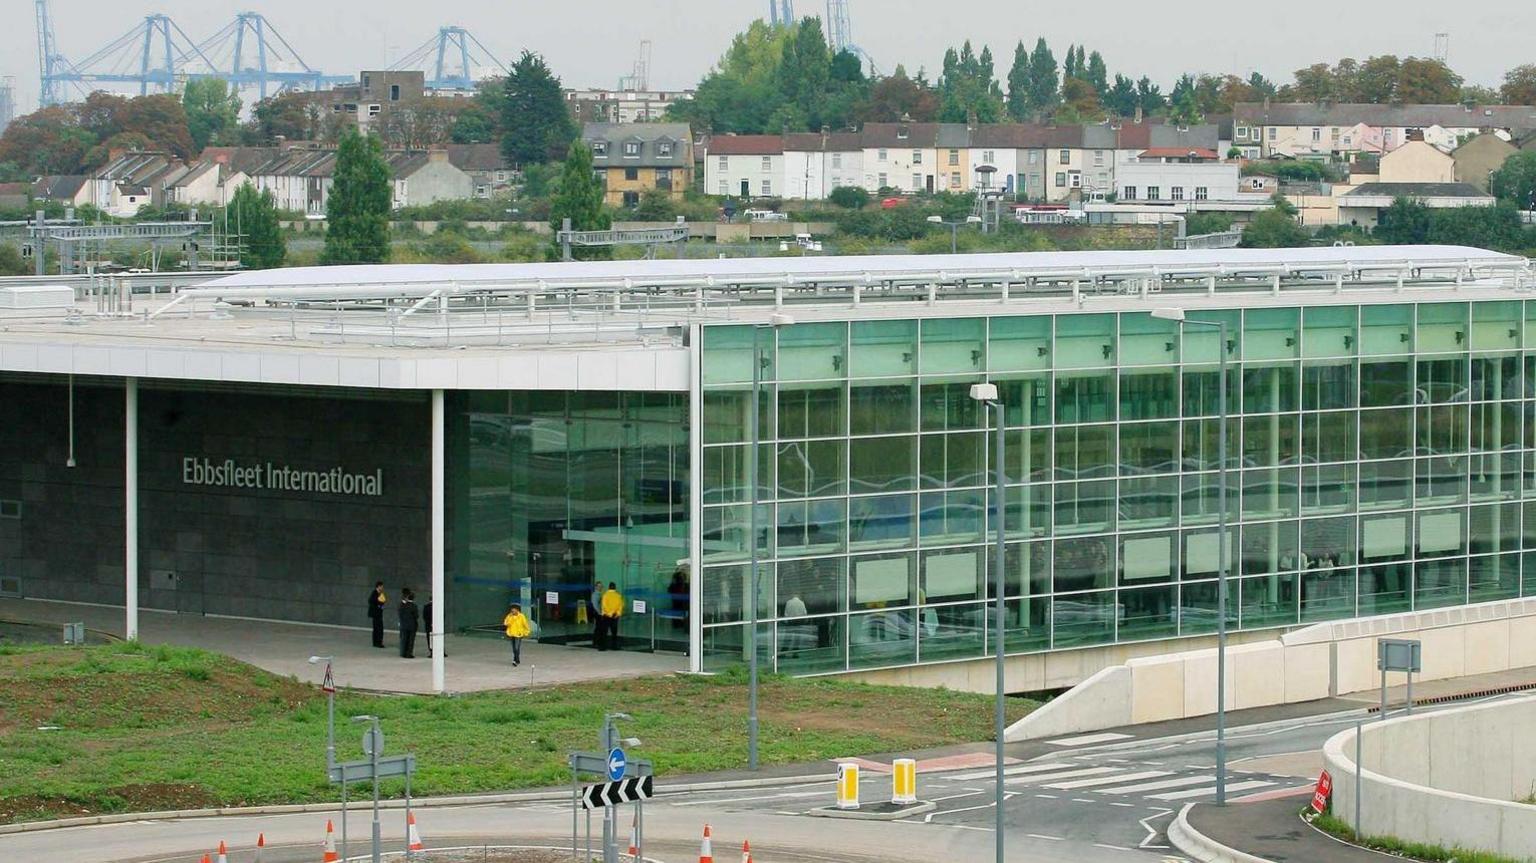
{"x": 815, "y": 163}
{"x": 375, "y": 94}
{"x": 489, "y": 173}
{"x": 1363, "y": 205}
{"x": 300, "y": 178}
{"x": 1418, "y": 162}
{"x": 1478, "y": 158}
{"x": 634, "y": 158}
{"x": 622, "y": 106}
{"x": 14, "y": 196}
{"x": 745, "y": 166}
{"x": 1305, "y": 129}
{"x": 71, "y": 190}
{"x": 132, "y": 180}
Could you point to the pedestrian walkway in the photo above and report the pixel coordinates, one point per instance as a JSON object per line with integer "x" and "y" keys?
{"x": 474, "y": 662}
{"x": 1273, "y": 831}
{"x": 1159, "y": 783}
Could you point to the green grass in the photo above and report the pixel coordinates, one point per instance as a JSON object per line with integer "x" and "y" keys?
{"x": 140, "y": 728}
{"x": 1412, "y": 850}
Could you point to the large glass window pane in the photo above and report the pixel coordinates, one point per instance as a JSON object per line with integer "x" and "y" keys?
{"x": 1202, "y": 444}
{"x": 1442, "y": 533}
{"x": 1202, "y": 554}
{"x": 882, "y": 581}
{"x": 811, "y": 352}
{"x": 879, "y": 464}
{"x": 1198, "y": 602}
{"x": 1149, "y": 501}
{"x": 1150, "y": 612}
{"x": 1083, "y": 619}
{"x": 951, "y": 345}
{"x": 1493, "y": 578}
{"x": 1438, "y": 583}
{"x": 882, "y": 638}
{"x": 725, "y": 531}
{"x": 952, "y": 518}
{"x": 1028, "y": 626}
{"x": 954, "y": 460}
{"x": 730, "y": 355}
{"x": 1327, "y": 488}
{"x": 726, "y": 589}
{"x": 1269, "y": 389}
{"x": 1085, "y": 451}
{"x": 1440, "y": 480}
{"x": 726, "y": 646}
{"x": 812, "y": 411}
{"x": 811, "y": 527}
{"x": 1199, "y": 342}
{"x": 1494, "y": 528}
{"x": 1085, "y": 341}
{"x": 1328, "y": 331}
{"x": 816, "y": 468}
{"x": 1385, "y": 383}
{"x": 1149, "y": 394}
{"x": 1327, "y": 594}
{"x": 1268, "y": 600}
{"x": 1271, "y": 440}
{"x": 1027, "y": 569}
{"x": 1085, "y": 397}
{"x": 1085, "y": 507}
{"x": 1495, "y": 476}
{"x": 1386, "y": 485}
{"x": 888, "y": 521}
{"x": 1328, "y": 385}
{"x": 1149, "y": 448}
{"x": 1442, "y": 327}
{"x": 947, "y": 404}
{"x": 1271, "y": 334}
{"x": 1029, "y": 510}
{"x": 1385, "y": 588}
{"x": 725, "y": 474}
{"x": 1270, "y": 547}
{"x": 1442, "y": 380}
{"x": 1026, "y": 399}
{"x": 1148, "y": 557}
{"x": 952, "y": 575}
{"x": 813, "y": 587}
{"x": 727, "y": 415}
{"x": 1084, "y": 564}
{"x": 809, "y": 645}
{"x": 952, "y": 632}
{"x": 882, "y": 349}
{"x": 1202, "y": 390}
{"x": 1386, "y": 433}
{"x": 1019, "y": 344}
{"x": 1201, "y": 497}
{"x": 1270, "y": 493}
{"x": 879, "y": 407}
{"x": 1495, "y": 378}
{"x": 1027, "y": 455}
{"x": 1328, "y": 543}
{"x": 1328, "y": 437}
{"x": 1148, "y": 341}
{"x": 1386, "y": 330}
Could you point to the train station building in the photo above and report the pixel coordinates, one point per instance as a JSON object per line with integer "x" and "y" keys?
{"x": 269, "y": 444}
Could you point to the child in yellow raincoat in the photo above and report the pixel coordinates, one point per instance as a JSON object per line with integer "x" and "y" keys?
{"x": 517, "y": 629}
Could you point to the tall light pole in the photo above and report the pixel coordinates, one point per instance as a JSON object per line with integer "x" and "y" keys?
{"x": 954, "y": 229}
{"x": 329, "y": 685}
{"x": 987, "y": 395}
{"x": 775, "y": 321}
{"x": 1178, "y": 317}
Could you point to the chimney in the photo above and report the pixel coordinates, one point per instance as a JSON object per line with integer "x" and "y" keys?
{"x": 1266, "y": 106}
{"x": 971, "y": 119}
{"x": 439, "y": 155}
{"x": 1138, "y": 115}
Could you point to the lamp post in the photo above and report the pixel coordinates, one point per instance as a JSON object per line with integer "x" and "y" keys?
{"x": 1178, "y": 317}
{"x": 954, "y": 229}
{"x": 987, "y": 395}
{"x": 330, "y": 709}
{"x": 775, "y": 321}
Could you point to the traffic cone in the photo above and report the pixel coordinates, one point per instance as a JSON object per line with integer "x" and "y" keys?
{"x": 746, "y": 852}
{"x": 412, "y": 837}
{"x": 634, "y": 836}
{"x": 706, "y": 853}
{"x": 330, "y": 855}
{"x": 207, "y": 859}
{"x": 261, "y": 845}
{"x": 223, "y": 853}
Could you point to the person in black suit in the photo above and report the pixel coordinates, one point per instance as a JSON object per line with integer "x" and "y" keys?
{"x": 410, "y": 621}
{"x": 376, "y": 603}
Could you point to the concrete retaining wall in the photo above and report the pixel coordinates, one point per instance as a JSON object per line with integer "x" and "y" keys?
{"x": 1448, "y": 778}
{"x": 1305, "y": 665}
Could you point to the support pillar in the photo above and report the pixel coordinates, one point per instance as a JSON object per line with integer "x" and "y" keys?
{"x": 439, "y": 595}
{"x": 131, "y": 507}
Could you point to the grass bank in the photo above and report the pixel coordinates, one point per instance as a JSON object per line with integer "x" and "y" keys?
{"x": 128, "y": 728}
{"x": 1336, "y": 827}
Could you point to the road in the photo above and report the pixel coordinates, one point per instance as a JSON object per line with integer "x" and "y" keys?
{"x": 1096, "y": 798}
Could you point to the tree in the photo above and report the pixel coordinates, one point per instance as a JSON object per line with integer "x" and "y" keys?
{"x": 1405, "y": 223}
{"x": 290, "y": 116}
{"x": 357, "y": 214}
{"x": 422, "y": 123}
{"x": 1313, "y": 84}
{"x": 213, "y": 111}
{"x": 1275, "y": 228}
{"x": 1018, "y": 84}
{"x": 897, "y": 96}
{"x": 1423, "y": 81}
{"x": 1519, "y": 86}
{"x": 1043, "y": 82}
{"x": 537, "y": 126}
{"x": 1122, "y": 96}
{"x": 806, "y": 70}
{"x": 849, "y": 197}
{"x": 1079, "y": 103}
{"x": 580, "y": 199}
{"x": 253, "y": 217}
{"x": 161, "y": 118}
{"x": 1098, "y": 74}
{"x": 1149, "y": 96}
{"x": 1186, "y": 110}
{"x": 1515, "y": 181}
{"x": 47, "y": 141}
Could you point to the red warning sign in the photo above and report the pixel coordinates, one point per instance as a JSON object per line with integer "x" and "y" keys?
{"x": 1324, "y": 791}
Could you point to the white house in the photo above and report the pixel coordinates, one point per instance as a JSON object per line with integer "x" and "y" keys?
{"x": 900, "y": 156}
{"x": 745, "y": 166}
{"x": 1154, "y": 179}
{"x": 1305, "y": 129}
{"x": 815, "y": 163}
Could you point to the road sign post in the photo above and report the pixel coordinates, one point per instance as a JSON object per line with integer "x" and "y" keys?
{"x": 377, "y": 766}
{"x": 624, "y": 780}
{"x": 1398, "y": 654}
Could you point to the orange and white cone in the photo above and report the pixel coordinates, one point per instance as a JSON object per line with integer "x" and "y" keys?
{"x": 412, "y": 837}
{"x": 330, "y": 855}
{"x": 261, "y": 845}
{"x": 706, "y": 853}
{"x": 746, "y": 852}
{"x": 207, "y": 859}
{"x": 634, "y": 837}
{"x": 223, "y": 855}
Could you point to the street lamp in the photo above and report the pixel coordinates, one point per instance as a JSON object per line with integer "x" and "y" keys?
{"x": 775, "y": 322}
{"x": 330, "y": 708}
{"x": 954, "y": 229}
{"x": 987, "y": 395}
{"x": 1178, "y": 317}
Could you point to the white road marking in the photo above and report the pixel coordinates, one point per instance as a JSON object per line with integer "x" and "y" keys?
{"x": 1159, "y": 786}
{"x": 1088, "y": 739}
{"x": 1065, "y": 774}
{"x": 1050, "y": 838}
{"x": 1108, "y": 780}
{"x": 717, "y": 800}
{"x": 1112, "y": 847}
{"x": 929, "y": 817}
{"x": 1007, "y": 771}
{"x": 1047, "y": 796}
{"x": 1152, "y": 831}
{"x": 1201, "y": 792}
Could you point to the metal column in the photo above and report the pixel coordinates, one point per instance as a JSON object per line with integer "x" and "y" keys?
{"x": 131, "y": 507}
{"x": 439, "y": 598}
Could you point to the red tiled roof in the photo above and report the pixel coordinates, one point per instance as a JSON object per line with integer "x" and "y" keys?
{"x": 1180, "y": 153}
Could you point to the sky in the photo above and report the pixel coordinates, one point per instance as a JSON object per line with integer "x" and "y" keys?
{"x": 593, "y": 42}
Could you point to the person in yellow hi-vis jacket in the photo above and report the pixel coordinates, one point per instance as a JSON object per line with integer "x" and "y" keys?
{"x": 517, "y": 629}
{"x": 608, "y": 624}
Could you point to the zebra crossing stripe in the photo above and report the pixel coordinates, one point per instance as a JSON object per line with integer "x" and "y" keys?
{"x": 1108, "y": 780}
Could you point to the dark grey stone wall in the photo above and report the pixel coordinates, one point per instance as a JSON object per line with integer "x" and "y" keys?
{"x": 264, "y": 553}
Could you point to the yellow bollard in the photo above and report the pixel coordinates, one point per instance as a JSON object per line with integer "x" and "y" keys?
{"x": 847, "y": 786}
{"x": 904, "y": 782}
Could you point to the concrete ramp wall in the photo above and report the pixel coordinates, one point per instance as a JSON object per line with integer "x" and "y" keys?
{"x": 1448, "y": 778}
{"x": 1304, "y": 665}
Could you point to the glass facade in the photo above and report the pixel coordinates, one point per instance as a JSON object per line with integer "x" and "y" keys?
{"x": 1382, "y": 459}
{"x": 550, "y": 492}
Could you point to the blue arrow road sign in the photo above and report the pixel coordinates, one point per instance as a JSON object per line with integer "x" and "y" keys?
{"x": 617, "y": 764}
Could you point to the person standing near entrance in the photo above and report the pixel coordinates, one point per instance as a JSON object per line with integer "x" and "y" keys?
{"x": 517, "y": 629}
{"x": 376, "y": 602}
{"x": 595, "y": 606}
{"x": 426, "y": 624}
{"x": 410, "y": 621}
{"x": 612, "y": 609}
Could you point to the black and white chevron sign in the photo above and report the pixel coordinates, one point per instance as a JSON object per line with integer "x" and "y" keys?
{"x": 629, "y": 790}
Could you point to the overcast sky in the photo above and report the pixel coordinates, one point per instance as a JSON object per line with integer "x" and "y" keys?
{"x": 593, "y": 42}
